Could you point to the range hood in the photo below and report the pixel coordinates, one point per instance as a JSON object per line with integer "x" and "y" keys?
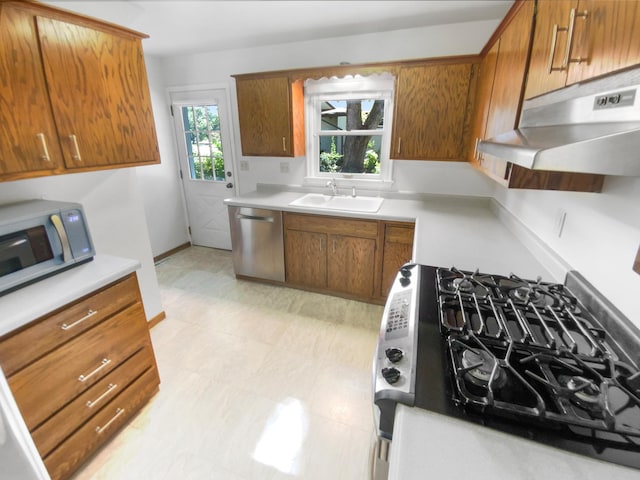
{"x": 596, "y": 133}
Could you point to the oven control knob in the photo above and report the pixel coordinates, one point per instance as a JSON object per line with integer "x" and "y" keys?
{"x": 405, "y": 272}
{"x": 394, "y": 354}
{"x": 391, "y": 375}
{"x": 404, "y": 281}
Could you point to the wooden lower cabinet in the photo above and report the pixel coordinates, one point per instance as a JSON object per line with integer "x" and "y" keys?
{"x": 398, "y": 250}
{"x": 306, "y": 258}
{"x": 81, "y": 372}
{"x": 350, "y": 265}
{"x": 344, "y": 256}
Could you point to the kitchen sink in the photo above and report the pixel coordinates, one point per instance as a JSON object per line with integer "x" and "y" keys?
{"x": 339, "y": 202}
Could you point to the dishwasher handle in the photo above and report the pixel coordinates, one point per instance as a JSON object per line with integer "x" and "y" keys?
{"x": 257, "y": 218}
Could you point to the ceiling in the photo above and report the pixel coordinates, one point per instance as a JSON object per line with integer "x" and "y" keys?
{"x": 177, "y": 27}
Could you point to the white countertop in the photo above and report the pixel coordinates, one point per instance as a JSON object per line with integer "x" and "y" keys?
{"x": 33, "y": 301}
{"x": 430, "y": 445}
{"x": 450, "y": 231}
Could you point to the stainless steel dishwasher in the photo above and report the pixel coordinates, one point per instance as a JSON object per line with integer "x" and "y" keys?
{"x": 257, "y": 242}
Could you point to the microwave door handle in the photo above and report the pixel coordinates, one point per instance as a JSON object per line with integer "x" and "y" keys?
{"x": 64, "y": 240}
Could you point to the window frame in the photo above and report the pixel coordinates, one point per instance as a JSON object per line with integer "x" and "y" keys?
{"x": 373, "y": 87}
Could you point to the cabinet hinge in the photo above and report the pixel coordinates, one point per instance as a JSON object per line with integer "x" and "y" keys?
{"x": 181, "y": 177}
{"x": 189, "y": 228}
{"x": 171, "y": 108}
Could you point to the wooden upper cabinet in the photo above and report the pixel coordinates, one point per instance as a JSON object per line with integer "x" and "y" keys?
{"x": 430, "y": 110}
{"x": 99, "y": 94}
{"x": 605, "y": 38}
{"x": 28, "y": 136}
{"x": 498, "y": 105}
{"x": 508, "y": 83}
{"x": 75, "y": 94}
{"x": 484, "y": 89}
{"x": 271, "y": 116}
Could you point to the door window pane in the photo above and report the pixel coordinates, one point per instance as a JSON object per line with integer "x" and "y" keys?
{"x": 203, "y": 142}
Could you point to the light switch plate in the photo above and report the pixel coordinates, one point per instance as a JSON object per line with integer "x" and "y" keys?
{"x": 636, "y": 264}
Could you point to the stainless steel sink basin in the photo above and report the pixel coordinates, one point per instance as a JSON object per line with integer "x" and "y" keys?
{"x": 339, "y": 202}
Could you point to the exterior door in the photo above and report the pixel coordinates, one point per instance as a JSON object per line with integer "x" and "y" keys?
{"x": 205, "y": 150}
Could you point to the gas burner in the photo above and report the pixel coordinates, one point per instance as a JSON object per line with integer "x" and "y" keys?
{"x": 463, "y": 284}
{"x": 455, "y": 282}
{"x": 583, "y": 392}
{"x": 526, "y": 294}
{"x": 479, "y": 365}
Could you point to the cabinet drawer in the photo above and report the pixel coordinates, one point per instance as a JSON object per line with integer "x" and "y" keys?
{"x": 399, "y": 234}
{"x": 19, "y": 349}
{"x": 64, "y": 422}
{"x": 332, "y": 225}
{"x": 64, "y": 460}
{"x": 46, "y": 385}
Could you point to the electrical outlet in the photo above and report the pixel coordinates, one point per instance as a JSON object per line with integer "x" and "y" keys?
{"x": 561, "y": 218}
{"x": 244, "y": 165}
{"x": 284, "y": 167}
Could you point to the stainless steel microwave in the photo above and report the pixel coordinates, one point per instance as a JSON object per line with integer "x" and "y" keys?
{"x": 39, "y": 238}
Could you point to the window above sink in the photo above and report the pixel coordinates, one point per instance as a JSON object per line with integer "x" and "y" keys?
{"x": 348, "y": 128}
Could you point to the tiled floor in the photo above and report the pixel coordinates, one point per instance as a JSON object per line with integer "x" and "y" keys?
{"x": 258, "y": 382}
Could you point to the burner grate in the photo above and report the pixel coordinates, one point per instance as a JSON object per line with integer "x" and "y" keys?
{"x": 529, "y": 351}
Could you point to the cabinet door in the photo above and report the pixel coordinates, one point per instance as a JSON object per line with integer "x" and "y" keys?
{"x": 506, "y": 96}
{"x": 306, "y": 258}
{"x": 99, "y": 94}
{"x": 264, "y": 110}
{"x": 28, "y": 137}
{"x": 430, "y": 109}
{"x": 483, "y": 99}
{"x": 398, "y": 249}
{"x": 608, "y": 38}
{"x": 549, "y": 14}
{"x": 351, "y": 265}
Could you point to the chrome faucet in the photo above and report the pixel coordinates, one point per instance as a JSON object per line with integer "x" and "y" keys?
{"x": 332, "y": 184}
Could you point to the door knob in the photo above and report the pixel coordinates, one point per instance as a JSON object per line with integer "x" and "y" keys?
{"x": 229, "y": 185}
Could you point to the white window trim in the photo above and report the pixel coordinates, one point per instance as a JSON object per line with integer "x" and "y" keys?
{"x": 350, "y": 87}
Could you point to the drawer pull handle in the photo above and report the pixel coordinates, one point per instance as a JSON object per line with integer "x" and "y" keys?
{"x": 76, "y": 150}
{"x": 43, "y": 145}
{"x": 110, "y": 388}
{"x": 104, "y": 363}
{"x": 89, "y": 314}
{"x": 119, "y": 412}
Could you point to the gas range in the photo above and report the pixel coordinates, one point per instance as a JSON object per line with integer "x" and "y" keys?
{"x": 553, "y": 363}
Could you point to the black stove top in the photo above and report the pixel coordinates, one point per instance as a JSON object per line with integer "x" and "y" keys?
{"x": 525, "y": 357}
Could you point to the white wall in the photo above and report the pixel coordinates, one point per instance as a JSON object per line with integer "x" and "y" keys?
{"x": 115, "y": 213}
{"x": 600, "y": 237}
{"x": 160, "y": 185}
{"x": 443, "y": 40}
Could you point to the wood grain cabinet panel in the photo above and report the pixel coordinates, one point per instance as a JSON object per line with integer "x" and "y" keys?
{"x": 76, "y": 388}
{"x": 28, "y": 137}
{"x": 75, "y": 95}
{"x": 332, "y": 254}
{"x": 354, "y": 258}
{"x": 54, "y": 380}
{"x": 36, "y": 340}
{"x": 69, "y": 455}
{"x": 430, "y": 111}
{"x": 606, "y": 38}
{"x": 398, "y": 250}
{"x": 306, "y": 258}
{"x": 271, "y": 116}
{"x": 100, "y": 96}
{"x": 499, "y": 102}
{"x": 350, "y": 268}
